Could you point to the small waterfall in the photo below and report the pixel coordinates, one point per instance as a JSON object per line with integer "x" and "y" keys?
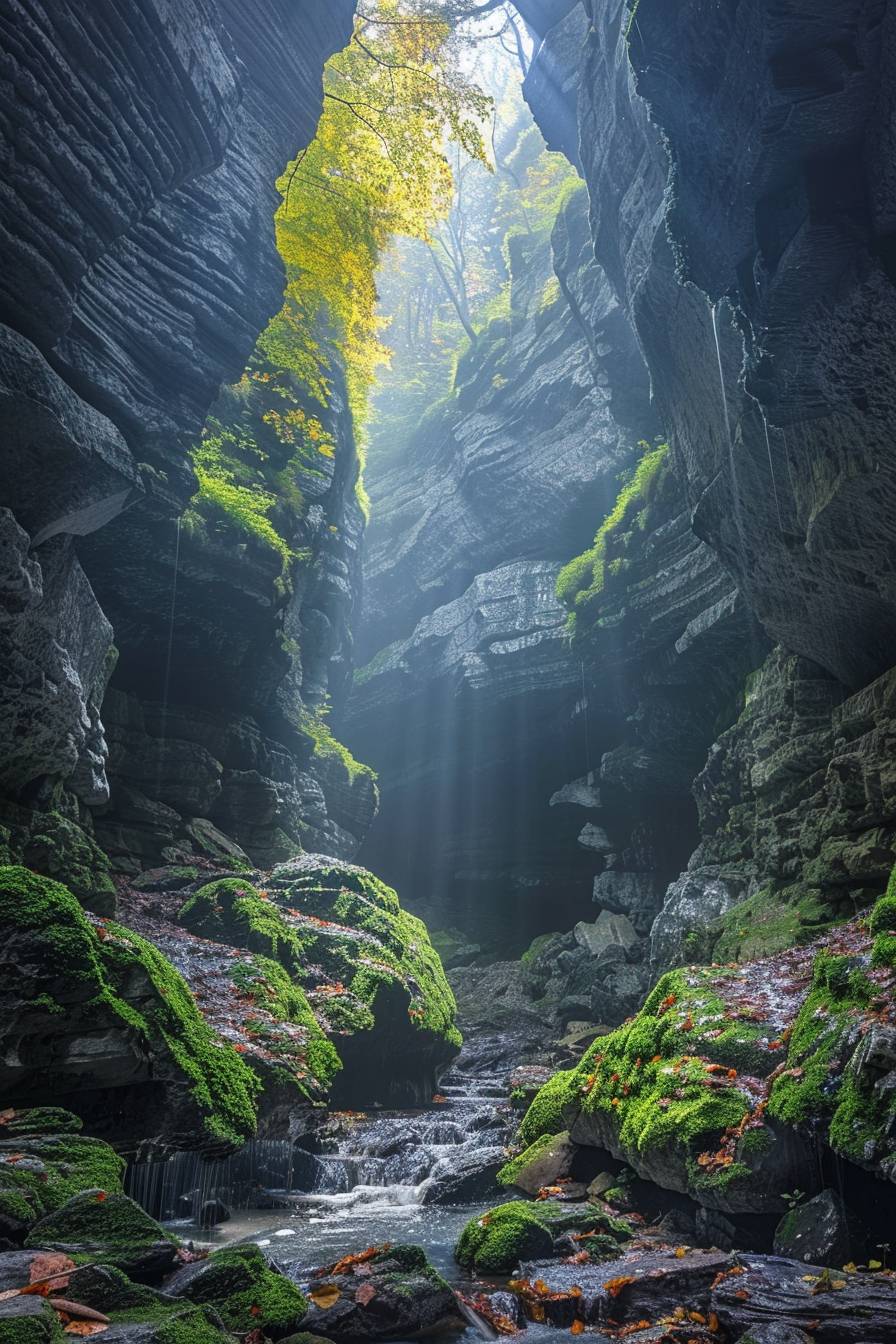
{"x": 771, "y": 467}
{"x": 715, "y": 332}
{"x": 393, "y": 1159}
{"x": 262, "y": 1174}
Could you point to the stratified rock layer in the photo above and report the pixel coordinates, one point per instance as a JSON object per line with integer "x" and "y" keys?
{"x": 142, "y": 147}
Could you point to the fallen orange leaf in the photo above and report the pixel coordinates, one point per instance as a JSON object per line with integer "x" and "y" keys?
{"x": 325, "y": 1295}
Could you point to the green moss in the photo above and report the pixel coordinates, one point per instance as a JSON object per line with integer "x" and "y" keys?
{"x": 271, "y": 988}
{"x": 581, "y": 582}
{"x": 548, "y": 1111}
{"x": 650, "y": 1075}
{"x": 512, "y": 1169}
{"x": 42, "y": 1120}
{"x": 62, "y": 849}
{"x": 69, "y": 1164}
{"x": 102, "y": 965}
{"x": 882, "y": 923}
{"x": 838, "y": 996}
{"x": 247, "y": 1293}
{"x": 224, "y": 1088}
{"x": 233, "y": 911}
{"x": 179, "y": 1325}
{"x": 496, "y": 1241}
{"x": 883, "y": 916}
{"x": 394, "y": 949}
{"x": 883, "y": 952}
{"x": 107, "y": 1228}
{"x": 328, "y": 748}
{"x": 24, "y": 1322}
{"x": 767, "y": 922}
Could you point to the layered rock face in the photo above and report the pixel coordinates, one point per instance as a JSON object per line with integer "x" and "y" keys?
{"x": 136, "y": 222}
{"x": 746, "y": 239}
{"x": 740, "y": 213}
{"x": 470, "y": 705}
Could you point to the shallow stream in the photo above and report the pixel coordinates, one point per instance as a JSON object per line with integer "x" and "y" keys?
{"x": 380, "y": 1178}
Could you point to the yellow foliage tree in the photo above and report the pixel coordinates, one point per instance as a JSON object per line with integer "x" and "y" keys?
{"x": 377, "y": 168}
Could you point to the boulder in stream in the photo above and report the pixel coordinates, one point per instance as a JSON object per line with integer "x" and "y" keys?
{"x": 245, "y": 1288}
{"x": 544, "y": 1163}
{"x": 393, "y": 1293}
{"x": 110, "y": 1229}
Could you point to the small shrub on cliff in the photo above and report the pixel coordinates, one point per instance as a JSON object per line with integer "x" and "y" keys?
{"x": 581, "y": 582}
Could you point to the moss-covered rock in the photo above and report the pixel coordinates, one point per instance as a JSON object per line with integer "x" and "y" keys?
{"x": 546, "y": 1161}
{"x": 365, "y": 941}
{"x": 496, "y": 1241}
{"x": 768, "y": 921}
{"x": 30, "y": 1320}
{"x": 582, "y": 582}
{"x": 40, "y": 1173}
{"x": 551, "y": 1108}
{"x": 313, "y": 1059}
{"x": 233, "y": 911}
{"x": 61, "y": 848}
{"x": 706, "y": 1089}
{"x": 667, "y": 1089}
{"x": 408, "y": 1299}
{"x": 110, "y": 982}
{"x": 244, "y": 1289}
{"x": 108, "y": 1229}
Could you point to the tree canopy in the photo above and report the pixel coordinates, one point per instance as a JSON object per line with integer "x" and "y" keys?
{"x": 397, "y": 109}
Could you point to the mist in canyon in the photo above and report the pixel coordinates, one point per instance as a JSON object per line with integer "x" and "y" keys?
{"x": 447, "y": 811}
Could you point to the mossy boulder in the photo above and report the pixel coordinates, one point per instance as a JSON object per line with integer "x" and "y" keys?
{"x": 407, "y": 1299}
{"x": 550, "y": 1111}
{"x": 363, "y": 937}
{"x": 841, "y": 1062}
{"x": 39, "y": 1173}
{"x": 233, "y": 911}
{"x": 545, "y": 1162}
{"x": 30, "y": 1320}
{"x": 664, "y": 1093}
{"x": 108, "y": 1229}
{"x": 373, "y": 979}
{"x": 83, "y": 977}
{"x": 141, "y": 1314}
{"x": 245, "y": 1289}
{"x": 711, "y": 1087}
{"x": 497, "y": 1241}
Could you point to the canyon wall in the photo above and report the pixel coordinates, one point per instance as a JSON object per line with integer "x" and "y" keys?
{"x": 747, "y": 239}
{"x": 142, "y": 148}
{"x": 713, "y": 748}
{"x": 470, "y": 704}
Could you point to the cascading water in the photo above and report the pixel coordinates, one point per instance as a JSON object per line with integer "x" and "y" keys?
{"x": 388, "y": 1175}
